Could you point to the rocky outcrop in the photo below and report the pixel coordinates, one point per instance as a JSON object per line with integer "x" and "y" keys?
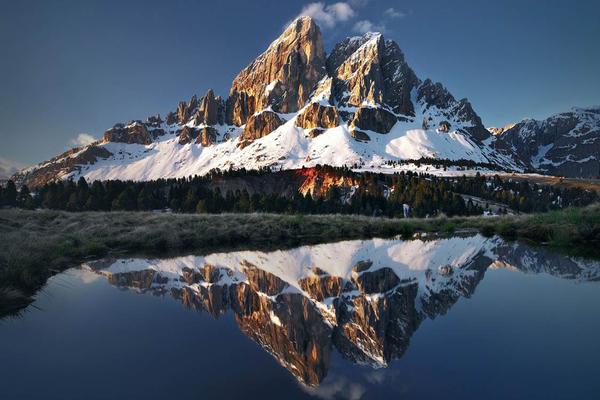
{"x": 208, "y": 110}
{"x": 154, "y": 121}
{"x": 171, "y": 118}
{"x": 211, "y": 110}
{"x": 373, "y": 119}
{"x": 435, "y": 96}
{"x": 374, "y": 330}
{"x": 313, "y": 133}
{"x": 359, "y": 135}
{"x": 378, "y": 281}
{"x": 186, "y": 110}
{"x": 70, "y": 161}
{"x": 372, "y": 70}
{"x": 205, "y": 136}
{"x": 444, "y": 127}
{"x": 320, "y": 287}
{"x": 260, "y": 125}
{"x": 362, "y": 266}
{"x": 283, "y": 77}
{"x": 499, "y": 131}
{"x": 134, "y": 132}
{"x": 263, "y": 281}
{"x": 317, "y": 115}
{"x": 187, "y": 135}
{"x": 293, "y": 331}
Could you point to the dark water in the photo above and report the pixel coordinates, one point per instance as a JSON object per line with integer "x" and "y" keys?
{"x": 465, "y": 318}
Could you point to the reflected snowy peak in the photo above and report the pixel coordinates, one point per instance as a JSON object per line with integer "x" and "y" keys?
{"x": 363, "y": 298}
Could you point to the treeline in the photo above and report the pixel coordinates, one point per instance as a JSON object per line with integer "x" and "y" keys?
{"x": 193, "y": 195}
{"x": 396, "y": 195}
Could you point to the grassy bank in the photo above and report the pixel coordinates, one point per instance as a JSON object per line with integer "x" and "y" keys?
{"x": 34, "y": 244}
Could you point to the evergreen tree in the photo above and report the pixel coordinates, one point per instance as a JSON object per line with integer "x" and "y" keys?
{"x": 145, "y": 202}
{"x": 10, "y": 194}
{"x": 126, "y": 201}
{"x": 24, "y": 199}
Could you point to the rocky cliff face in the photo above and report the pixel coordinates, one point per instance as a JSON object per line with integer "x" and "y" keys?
{"x": 283, "y": 77}
{"x": 261, "y": 124}
{"x": 566, "y": 144}
{"x": 371, "y": 70}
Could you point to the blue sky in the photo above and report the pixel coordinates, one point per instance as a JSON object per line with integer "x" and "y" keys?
{"x": 77, "y": 67}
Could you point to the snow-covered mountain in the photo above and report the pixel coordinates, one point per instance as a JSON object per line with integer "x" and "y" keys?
{"x": 361, "y": 106}
{"x": 565, "y": 144}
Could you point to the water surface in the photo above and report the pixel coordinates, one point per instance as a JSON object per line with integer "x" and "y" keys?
{"x": 462, "y": 317}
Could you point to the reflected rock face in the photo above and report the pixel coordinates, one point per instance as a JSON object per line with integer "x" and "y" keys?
{"x": 364, "y": 299}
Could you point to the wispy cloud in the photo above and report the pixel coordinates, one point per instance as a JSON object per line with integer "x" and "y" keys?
{"x": 337, "y": 388}
{"x": 83, "y": 139}
{"x": 9, "y": 167}
{"x": 393, "y": 13}
{"x": 364, "y": 26}
{"x": 329, "y": 15}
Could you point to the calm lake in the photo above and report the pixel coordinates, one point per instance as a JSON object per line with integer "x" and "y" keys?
{"x": 461, "y": 317}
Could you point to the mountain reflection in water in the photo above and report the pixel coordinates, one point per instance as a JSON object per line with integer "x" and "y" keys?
{"x": 364, "y": 299}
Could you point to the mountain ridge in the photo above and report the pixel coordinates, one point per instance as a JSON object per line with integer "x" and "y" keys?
{"x": 294, "y": 106}
{"x": 565, "y": 144}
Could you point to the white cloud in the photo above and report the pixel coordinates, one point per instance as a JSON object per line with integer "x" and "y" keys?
{"x": 393, "y": 13}
{"x": 83, "y": 139}
{"x": 9, "y": 167}
{"x": 337, "y": 388}
{"x": 328, "y": 15}
{"x": 365, "y": 26}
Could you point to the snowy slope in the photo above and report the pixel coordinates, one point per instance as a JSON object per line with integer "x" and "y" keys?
{"x": 410, "y": 261}
{"x": 288, "y": 147}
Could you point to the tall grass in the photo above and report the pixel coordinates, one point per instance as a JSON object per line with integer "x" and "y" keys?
{"x": 34, "y": 244}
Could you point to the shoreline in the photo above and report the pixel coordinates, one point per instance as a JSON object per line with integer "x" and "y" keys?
{"x": 35, "y": 245}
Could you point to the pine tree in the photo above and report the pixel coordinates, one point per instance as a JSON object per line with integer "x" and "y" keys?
{"x": 24, "y": 199}
{"x": 144, "y": 200}
{"x": 126, "y": 201}
{"x": 10, "y": 194}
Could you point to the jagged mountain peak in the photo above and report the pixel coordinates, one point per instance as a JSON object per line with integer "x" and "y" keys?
{"x": 283, "y": 77}
{"x": 497, "y": 131}
{"x": 362, "y": 106}
{"x": 370, "y": 70}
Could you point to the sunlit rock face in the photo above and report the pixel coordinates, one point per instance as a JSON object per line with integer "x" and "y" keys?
{"x": 260, "y": 125}
{"x": 318, "y": 116}
{"x": 283, "y": 77}
{"x": 365, "y": 299}
{"x": 372, "y": 70}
